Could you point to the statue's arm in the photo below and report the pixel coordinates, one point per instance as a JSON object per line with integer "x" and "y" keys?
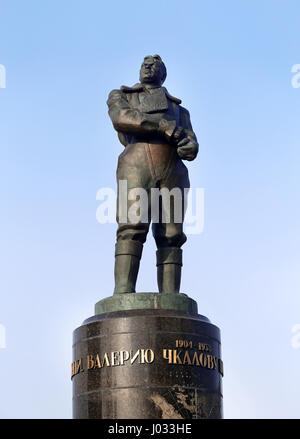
{"x": 188, "y": 147}
{"x": 130, "y": 120}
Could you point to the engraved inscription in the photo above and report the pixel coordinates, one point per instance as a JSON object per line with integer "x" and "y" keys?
{"x": 185, "y": 352}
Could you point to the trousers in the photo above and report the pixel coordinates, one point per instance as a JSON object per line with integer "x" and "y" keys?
{"x": 151, "y": 166}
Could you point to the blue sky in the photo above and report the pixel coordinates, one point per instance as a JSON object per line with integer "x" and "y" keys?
{"x": 230, "y": 63}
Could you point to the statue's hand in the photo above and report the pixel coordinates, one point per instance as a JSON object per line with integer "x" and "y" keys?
{"x": 187, "y": 149}
{"x": 171, "y": 131}
{"x": 167, "y": 128}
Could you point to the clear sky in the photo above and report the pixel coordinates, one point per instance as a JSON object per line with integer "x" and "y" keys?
{"x": 230, "y": 63}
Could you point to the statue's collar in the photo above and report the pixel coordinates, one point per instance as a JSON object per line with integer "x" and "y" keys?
{"x": 140, "y": 87}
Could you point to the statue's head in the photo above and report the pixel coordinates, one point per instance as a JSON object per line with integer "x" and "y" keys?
{"x": 153, "y": 71}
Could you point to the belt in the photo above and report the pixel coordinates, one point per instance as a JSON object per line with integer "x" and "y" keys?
{"x": 155, "y": 140}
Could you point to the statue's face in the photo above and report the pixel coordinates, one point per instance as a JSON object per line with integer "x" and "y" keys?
{"x": 151, "y": 71}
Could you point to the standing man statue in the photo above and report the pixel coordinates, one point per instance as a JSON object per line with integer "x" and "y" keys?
{"x": 157, "y": 134}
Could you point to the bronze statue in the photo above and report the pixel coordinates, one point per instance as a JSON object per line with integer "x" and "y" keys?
{"x": 157, "y": 134}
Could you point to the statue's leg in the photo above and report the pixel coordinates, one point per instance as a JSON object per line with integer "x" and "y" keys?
{"x": 128, "y": 252}
{"x": 132, "y": 232}
{"x": 127, "y": 261}
{"x": 168, "y": 233}
{"x": 169, "y": 263}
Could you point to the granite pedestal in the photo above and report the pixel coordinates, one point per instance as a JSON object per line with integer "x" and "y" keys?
{"x": 157, "y": 359}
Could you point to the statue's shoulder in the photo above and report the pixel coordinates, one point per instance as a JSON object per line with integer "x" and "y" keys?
{"x": 113, "y": 95}
{"x": 172, "y": 98}
{"x": 118, "y": 94}
{"x": 185, "y": 119}
{"x": 122, "y": 92}
{"x": 184, "y": 111}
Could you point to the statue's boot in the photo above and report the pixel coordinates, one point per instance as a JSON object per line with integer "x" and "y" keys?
{"x": 169, "y": 263}
{"x": 127, "y": 261}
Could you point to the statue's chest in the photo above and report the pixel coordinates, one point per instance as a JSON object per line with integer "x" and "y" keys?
{"x": 154, "y": 102}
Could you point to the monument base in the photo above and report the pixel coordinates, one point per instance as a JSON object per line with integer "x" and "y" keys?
{"x": 128, "y": 301}
{"x": 147, "y": 364}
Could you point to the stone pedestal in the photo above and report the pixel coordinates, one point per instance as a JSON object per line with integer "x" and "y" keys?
{"x": 147, "y": 363}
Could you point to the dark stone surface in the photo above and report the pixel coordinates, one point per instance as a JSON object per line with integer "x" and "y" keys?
{"x": 153, "y": 389}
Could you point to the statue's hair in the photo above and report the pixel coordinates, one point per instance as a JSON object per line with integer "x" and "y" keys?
{"x": 164, "y": 69}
